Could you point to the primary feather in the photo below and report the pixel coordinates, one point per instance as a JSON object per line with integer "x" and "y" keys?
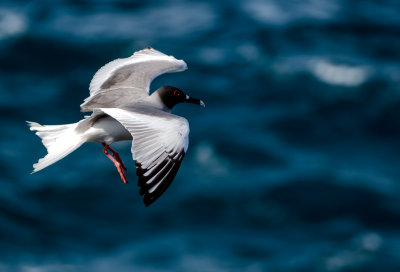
{"x": 159, "y": 143}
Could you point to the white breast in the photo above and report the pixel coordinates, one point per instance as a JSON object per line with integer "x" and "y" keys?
{"x": 107, "y": 130}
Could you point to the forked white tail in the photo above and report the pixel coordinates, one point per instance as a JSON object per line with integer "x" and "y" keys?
{"x": 59, "y": 140}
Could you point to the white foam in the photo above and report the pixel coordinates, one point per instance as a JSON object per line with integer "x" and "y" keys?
{"x": 339, "y": 74}
{"x": 249, "y": 51}
{"x": 207, "y": 157}
{"x": 12, "y": 24}
{"x": 213, "y": 55}
{"x": 371, "y": 241}
{"x": 283, "y": 12}
{"x": 174, "y": 20}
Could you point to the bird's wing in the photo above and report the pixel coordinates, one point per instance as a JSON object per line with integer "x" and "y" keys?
{"x": 122, "y": 82}
{"x": 159, "y": 143}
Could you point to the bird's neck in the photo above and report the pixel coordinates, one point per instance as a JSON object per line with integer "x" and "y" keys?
{"x": 157, "y": 102}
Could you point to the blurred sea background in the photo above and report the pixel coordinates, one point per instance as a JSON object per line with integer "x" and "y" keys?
{"x": 292, "y": 166}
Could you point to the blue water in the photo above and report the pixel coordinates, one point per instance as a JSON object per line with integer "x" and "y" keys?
{"x": 292, "y": 166}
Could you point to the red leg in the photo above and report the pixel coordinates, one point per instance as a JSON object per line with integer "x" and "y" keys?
{"x": 118, "y": 163}
{"x": 117, "y": 157}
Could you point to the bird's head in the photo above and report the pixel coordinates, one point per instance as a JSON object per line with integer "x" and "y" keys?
{"x": 171, "y": 96}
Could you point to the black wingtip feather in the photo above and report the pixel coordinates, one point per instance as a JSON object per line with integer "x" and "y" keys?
{"x": 165, "y": 177}
{"x": 155, "y": 171}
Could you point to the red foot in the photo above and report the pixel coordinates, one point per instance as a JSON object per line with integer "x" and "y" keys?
{"x": 117, "y": 161}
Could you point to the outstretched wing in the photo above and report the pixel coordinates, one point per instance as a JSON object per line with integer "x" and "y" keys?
{"x": 160, "y": 141}
{"x": 123, "y": 82}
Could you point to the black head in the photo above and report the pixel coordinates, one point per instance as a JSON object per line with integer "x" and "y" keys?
{"x": 171, "y": 96}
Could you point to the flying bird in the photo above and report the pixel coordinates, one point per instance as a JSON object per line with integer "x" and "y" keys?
{"x": 123, "y": 109}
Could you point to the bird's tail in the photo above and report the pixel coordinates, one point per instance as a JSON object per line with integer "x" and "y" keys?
{"x": 59, "y": 140}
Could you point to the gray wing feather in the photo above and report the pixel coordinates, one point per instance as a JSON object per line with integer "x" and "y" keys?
{"x": 123, "y": 82}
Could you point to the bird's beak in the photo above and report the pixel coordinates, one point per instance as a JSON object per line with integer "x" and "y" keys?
{"x": 194, "y": 101}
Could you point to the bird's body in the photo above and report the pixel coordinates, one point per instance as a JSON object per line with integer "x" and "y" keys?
{"x": 124, "y": 110}
{"x": 103, "y": 129}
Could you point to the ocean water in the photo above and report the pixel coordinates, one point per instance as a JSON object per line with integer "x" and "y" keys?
{"x": 292, "y": 166}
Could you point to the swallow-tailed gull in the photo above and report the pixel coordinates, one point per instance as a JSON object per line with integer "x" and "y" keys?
{"x": 123, "y": 110}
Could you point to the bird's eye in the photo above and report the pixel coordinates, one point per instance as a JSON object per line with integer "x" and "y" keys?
{"x": 177, "y": 93}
